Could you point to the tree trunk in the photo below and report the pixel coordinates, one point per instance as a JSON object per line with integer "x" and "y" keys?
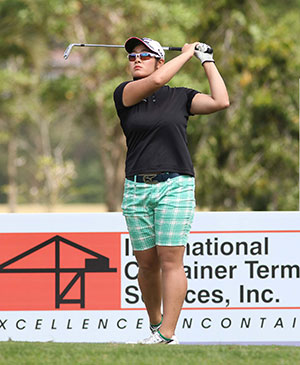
{"x": 12, "y": 174}
{"x": 112, "y": 148}
{"x": 51, "y": 198}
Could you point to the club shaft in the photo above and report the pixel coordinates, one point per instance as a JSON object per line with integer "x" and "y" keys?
{"x": 70, "y": 46}
{"x": 99, "y": 45}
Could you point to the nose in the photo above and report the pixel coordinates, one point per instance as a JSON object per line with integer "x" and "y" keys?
{"x": 137, "y": 58}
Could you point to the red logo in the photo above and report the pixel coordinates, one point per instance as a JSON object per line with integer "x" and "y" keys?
{"x": 44, "y": 271}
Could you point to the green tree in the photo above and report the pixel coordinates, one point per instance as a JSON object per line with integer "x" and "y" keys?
{"x": 57, "y": 117}
{"x": 25, "y": 119}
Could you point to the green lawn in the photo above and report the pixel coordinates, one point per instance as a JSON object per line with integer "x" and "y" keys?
{"x": 19, "y": 353}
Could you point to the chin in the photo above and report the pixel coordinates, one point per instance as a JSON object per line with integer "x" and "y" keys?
{"x": 138, "y": 75}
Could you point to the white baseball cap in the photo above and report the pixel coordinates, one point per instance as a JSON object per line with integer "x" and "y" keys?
{"x": 154, "y": 46}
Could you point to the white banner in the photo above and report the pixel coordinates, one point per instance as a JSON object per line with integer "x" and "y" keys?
{"x": 77, "y": 279}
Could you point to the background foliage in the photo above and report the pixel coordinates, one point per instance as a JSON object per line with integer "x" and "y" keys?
{"x": 60, "y": 139}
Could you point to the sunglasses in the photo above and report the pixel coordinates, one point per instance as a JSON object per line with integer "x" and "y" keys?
{"x": 144, "y": 56}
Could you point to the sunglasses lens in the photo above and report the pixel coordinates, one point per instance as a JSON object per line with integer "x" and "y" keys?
{"x": 145, "y": 56}
{"x": 132, "y": 57}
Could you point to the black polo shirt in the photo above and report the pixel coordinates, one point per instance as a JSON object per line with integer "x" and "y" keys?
{"x": 155, "y": 131}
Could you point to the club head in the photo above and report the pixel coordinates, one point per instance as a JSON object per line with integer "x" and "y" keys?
{"x": 68, "y": 51}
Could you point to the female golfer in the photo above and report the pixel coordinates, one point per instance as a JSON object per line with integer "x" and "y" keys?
{"x": 158, "y": 202}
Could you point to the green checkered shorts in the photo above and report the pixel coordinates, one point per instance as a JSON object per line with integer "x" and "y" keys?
{"x": 159, "y": 214}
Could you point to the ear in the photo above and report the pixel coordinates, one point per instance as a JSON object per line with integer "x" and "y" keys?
{"x": 159, "y": 63}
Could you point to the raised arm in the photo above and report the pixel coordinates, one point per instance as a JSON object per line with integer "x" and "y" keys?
{"x": 139, "y": 89}
{"x": 218, "y": 99}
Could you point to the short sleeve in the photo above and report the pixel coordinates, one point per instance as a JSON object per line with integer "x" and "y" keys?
{"x": 190, "y": 95}
{"x": 118, "y": 96}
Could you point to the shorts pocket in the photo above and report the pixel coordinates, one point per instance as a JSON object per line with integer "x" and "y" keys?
{"x": 184, "y": 181}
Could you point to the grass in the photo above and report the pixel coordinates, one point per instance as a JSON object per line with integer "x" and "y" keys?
{"x": 36, "y": 353}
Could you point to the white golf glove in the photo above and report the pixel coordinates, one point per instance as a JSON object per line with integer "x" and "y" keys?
{"x": 204, "y": 52}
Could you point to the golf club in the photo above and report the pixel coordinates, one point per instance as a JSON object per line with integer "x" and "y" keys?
{"x": 70, "y": 46}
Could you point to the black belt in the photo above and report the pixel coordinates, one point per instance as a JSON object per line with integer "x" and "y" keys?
{"x": 153, "y": 178}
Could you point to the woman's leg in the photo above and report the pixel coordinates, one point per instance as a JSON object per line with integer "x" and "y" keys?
{"x": 174, "y": 286}
{"x": 149, "y": 278}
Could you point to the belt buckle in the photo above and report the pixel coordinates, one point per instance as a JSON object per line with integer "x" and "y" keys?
{"x": 148, "y": 179}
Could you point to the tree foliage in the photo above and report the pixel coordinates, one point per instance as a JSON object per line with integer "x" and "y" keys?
{"x": 60, "y": 138}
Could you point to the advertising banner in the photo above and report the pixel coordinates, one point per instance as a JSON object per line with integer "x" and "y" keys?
{"x": 73, "y": 278}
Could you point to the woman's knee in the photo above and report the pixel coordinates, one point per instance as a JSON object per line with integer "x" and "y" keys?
{"x": 147, "y": 260}
{"x": 171, "y": 258}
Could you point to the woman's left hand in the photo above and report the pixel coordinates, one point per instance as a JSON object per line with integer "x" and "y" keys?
{"x": 202, "y": 53}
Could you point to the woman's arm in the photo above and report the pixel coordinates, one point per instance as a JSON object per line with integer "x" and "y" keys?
{"x": 137, "y": 90}
{"x": 218, "y": 100}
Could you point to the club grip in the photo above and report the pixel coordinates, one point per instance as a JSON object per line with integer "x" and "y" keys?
{"x": 209, "y": 49}
{"x": 174, "y": 48}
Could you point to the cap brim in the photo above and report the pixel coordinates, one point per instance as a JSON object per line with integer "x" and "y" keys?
{"x": 132, "y": 42}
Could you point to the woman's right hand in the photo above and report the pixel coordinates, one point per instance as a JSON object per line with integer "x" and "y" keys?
{"x": 189, "y": 48}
